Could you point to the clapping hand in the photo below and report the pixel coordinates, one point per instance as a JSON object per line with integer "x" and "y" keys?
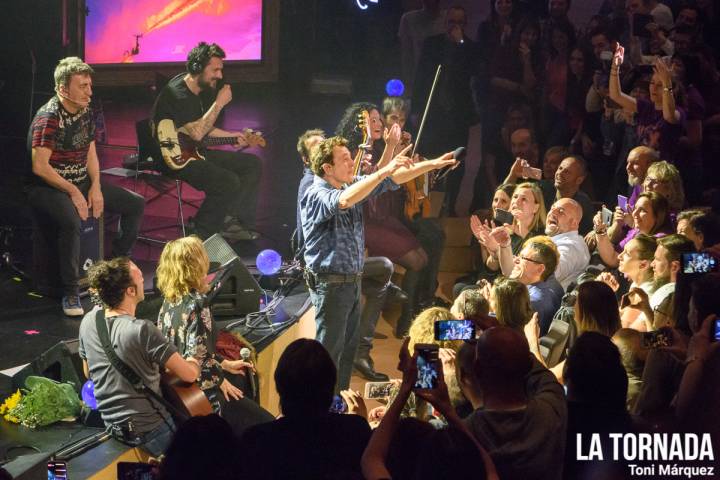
{"x": 618, "y": 56}
{"x": 392, "y": 136}
{"x": 663, "y": 72}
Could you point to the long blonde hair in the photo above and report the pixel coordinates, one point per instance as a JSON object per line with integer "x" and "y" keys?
{"x": 538, "y": 221}
{"x": 422, "y": 329}
{"x": 183, "y": 267}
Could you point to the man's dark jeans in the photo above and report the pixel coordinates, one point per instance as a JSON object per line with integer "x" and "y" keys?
{"x": 230, "y": 181}
{"x": 55, "y": 206}
{"x": 337, "y": 318}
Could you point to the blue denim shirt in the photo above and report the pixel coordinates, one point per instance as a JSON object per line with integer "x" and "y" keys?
{"x": 305, "y": 182}
{"x": 334, "y": 238}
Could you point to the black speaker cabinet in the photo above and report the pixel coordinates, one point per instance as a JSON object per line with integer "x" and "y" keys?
{"x": 46, "y": 272}
{"x": 61, "y": 362}
{"x": 240, "y": 293}
{"x": 27, "y": 467}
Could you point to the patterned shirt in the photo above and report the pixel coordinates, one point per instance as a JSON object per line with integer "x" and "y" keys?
{"x": 188, "y": 324}
{"x": 68, "y": 135}
{"x": 334, "y": 237}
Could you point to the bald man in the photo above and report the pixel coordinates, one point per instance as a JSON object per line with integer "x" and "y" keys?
{"x": 523, "y": 420}
{"x": 561, "y": 225}
{"x": 568, "y": 177}
{"x": 638, "y": 161}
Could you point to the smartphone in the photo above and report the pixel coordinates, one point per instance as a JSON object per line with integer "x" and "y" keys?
{"x": 57, "y": 470}
{"x": 606, "y": 58}
{"x": 136, "y": 471}
{"x": 607, "y": 216}
{"x": 503, "y": 216}
{"x": 375, "y": 390}
{"x": 639, "y": 23}
{"x": 338, "y": 405}
{"x": 716, "y": 330}
{"x": 454, "y": 330}
{"x": 531, "y": 172}
{"x": 656, "y": 339}
{"x": 428, "y": 366}
{"x": 622, "y": 202}
{"x": 698, "y": 262}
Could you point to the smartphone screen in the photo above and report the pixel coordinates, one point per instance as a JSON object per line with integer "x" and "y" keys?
{"x": 378, "y": 389}
{"x": 338, "y": 405}
{"x": 427, "y": 366}
{"x": 454, "y": 330}
{"x": 698, "y": 262}
{"x": 656, "y": 339}
{"x": 503, "y": 216}
{"x": 57, "y": 470}
{"x": 622, "y": 202}
{"x": 607, "y": 216}
{"x": 716, "y": 329}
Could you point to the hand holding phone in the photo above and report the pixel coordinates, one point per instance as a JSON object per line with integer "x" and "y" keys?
{"x": 428, "y": 369}
{"x": 657, "y": 339}
{"x": 606, "y": 215}
{"x": 699, "y": 262}
{"x": 530, "y": 172}
{"x": 622, "y": 203}
{"x": 378, "y": 390}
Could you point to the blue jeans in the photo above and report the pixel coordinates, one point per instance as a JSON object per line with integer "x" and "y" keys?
{"x": 158, "y": 441}
{"x": 337, "y": 318}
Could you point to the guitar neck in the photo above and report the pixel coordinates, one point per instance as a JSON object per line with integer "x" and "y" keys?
{"x": 214, "y": 141}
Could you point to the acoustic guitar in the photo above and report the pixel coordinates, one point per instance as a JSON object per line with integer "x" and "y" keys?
{"x": 178, "y": 148}
{"x": 186, "y": 397}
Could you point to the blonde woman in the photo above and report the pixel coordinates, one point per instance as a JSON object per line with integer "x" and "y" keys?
{"x": 185, "y": 319}
{"x": 528, "y": 209}
{"x": 510, "y": 301}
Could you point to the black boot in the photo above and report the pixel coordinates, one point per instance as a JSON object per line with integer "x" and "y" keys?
{"x": 363, "y": 365}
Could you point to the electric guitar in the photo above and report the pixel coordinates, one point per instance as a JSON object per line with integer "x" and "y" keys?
{"x": 364, "y": 147}
{"x": 178, "y": 148}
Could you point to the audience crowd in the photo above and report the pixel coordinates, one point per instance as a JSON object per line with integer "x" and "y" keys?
{"x": 595, "y": 300}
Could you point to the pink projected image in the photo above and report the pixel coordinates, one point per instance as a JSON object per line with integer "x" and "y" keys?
{"x": 147, "y": 31}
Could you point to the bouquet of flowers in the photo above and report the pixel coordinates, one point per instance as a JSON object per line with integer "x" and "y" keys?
{"x": 42, "y": 402}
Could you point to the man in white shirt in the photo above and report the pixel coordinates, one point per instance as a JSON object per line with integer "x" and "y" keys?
{"x": 561, "y": 226}
{"x": 666, "y": 264}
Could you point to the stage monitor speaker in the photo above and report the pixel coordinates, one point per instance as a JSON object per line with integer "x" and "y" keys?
{"x": 240, "y": 293}
{"x": 27, "y": 467}
{"x": 61, "y": 362}
{"x": 46, "y": 272}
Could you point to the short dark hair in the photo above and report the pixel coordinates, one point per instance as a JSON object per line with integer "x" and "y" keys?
{"x": 305, "y": 378}
{"x": 581, "y": 163}
{"x": 605, "y": 32}
{"x": 676, "y": 245}
{"x": 324, "y": 154}
{"x": 302, "y": 148}
{"x": 109, "y": 279}
{"x": 708, "y": 224}
{"x": 201, "y": 55}
{"x": 546, "y": 252}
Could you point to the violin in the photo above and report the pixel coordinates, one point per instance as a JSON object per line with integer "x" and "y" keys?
{"x": 417, "y": 202}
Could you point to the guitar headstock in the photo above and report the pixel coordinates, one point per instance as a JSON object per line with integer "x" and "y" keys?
{"x": 254, "y": 138}
{"x": 364, "y": 127}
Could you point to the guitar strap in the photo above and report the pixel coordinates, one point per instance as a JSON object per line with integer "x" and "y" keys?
{"x": 127, "y": 371}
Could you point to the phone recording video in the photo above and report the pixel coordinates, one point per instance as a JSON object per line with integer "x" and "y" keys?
{"x": 656, "y": 339}
{"x": 378, "y": 390}
{"x": 57, "y": 470}
{"x": 716, "y": 329}
{"x": 607, "y": 216}
{"x": 454, "y": 330}
{"x": 531, "y": 172}
{"x": 428, "y": 368}
{"x": 698, "y": 263}
{"x": 338, "y": 405}
{"x": 622, "y": 202}
{"x": 503, "y": 216}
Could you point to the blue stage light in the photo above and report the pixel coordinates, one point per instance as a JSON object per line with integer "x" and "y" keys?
{"x": 268, "y": 262}
{"x": 395, "y": 88}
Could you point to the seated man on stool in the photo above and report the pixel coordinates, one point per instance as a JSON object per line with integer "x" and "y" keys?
{"x": 66, "y": 186}
{"x": 230, "y": 180}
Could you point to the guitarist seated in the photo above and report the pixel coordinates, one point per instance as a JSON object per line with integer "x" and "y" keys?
{"x": 134, "y": 417}
{"x": 229, "y": 179}
{"x": 185, "y": 319}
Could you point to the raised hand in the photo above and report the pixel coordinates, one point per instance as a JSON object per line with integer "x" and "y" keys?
{"x": 392, "y": 136}
{"x": 356, "y": 404}
{"x": 663, "y": 72}
{"x": 608, "y": 279}
{"x": 501, "y": 236}
{"x": 446, "y": 160}
{"x": 400, "y": 160}
{"x": 224, "y": 96}
{"x": 618, "y": 56}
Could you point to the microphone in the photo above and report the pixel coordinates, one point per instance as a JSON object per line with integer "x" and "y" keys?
{"x": 81, "y": 103}
{"x": 459, "y": 155}
{"x": 245, "y": 355}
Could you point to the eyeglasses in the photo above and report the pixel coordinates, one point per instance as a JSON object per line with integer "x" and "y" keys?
{"x": 528, "y": 259}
